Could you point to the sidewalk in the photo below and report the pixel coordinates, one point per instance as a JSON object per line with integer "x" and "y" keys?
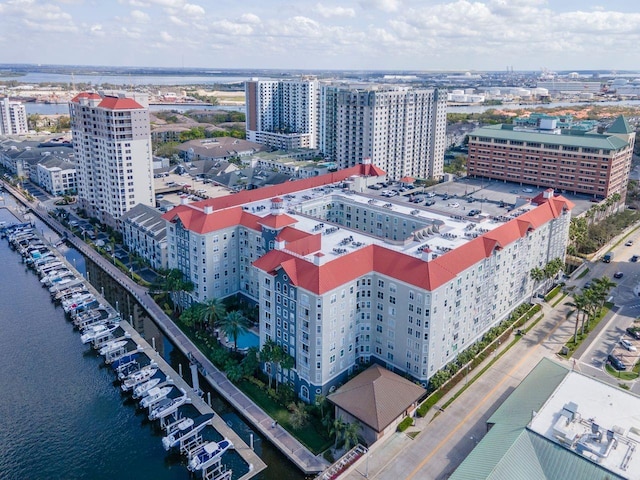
{"x": 283, "y": 440}
{"x": 445, "y": 438}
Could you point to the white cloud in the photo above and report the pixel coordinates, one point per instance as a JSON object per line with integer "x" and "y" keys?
{"x": 328, "y": 12}
{"x": 166, "y": 37}
{"x": 249, "y": 18}
{"x": 178, "y": 21}
{"x": 96, "y": 30}
{"x": 139, "y": 16}
{"x": 384, "y": 5}
{"x": 228, "y": 27}
{"x": 193, "y": 10}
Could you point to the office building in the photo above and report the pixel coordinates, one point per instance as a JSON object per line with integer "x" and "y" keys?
{"x": 282, "y": 113}
{"x": 401, "y": 129}
{"x": 112, "y": 145}
{"x": 13, "y": 118}
{"x": 342, "y": 279}
{"x": 573, "y": 159}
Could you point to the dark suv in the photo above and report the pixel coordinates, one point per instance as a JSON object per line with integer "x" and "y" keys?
{"x": 616, "y": 362}
{"x": 634, "y": 332}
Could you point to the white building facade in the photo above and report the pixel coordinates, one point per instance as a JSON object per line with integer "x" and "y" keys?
{"x": 112, "y": 145}
{"x": 401, "y": 129}
{"x": 343, "y": 280}
{"x": 13, "y": 118}
{"x": 57, "y": 176}
{"x": 282, "y": 113}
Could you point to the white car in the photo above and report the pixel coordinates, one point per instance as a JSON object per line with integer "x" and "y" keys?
{"x": 454, "y": 205}
{"x": 527, "y": 190}
{"x": 430, "y": 194}
{"x": 628, "y": 345}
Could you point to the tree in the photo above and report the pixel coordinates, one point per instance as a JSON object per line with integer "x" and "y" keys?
{"x": 537, "y": 275}
{"x": 171, "y": 282}
{"x": 350, "y": 435}
{"x": 212, "y": 312}
{"x": 233, "y": 324}
{"x": 299, "y": 415}
{"x": 250, "y": 363}
{"x": 321, "y": 401}
{"x": 271, "y": 353}
{"x": 191, "y": 315}
{"x": 336, "y": 429}
{"x": 579, "y": 303}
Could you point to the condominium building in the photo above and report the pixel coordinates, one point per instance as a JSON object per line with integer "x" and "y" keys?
{"x": 144, "y": 233}
{"x": 342, "y": 279}
{"x": 401, "y": 129}
{"x": 568, "y": 159}
{"x": 13, "y": 118}
{"x": 57, "y": 175}
{"x": 112, "y": 145}
{"x": 282, "y": 113}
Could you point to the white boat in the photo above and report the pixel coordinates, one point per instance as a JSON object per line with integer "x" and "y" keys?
{"x": 141, "y": 376}
{"x": 185, "y": 429}
{"x": 77, "y": 300}
{"x": 155, "y": 395}
{"x": 140, "y": 390}
{"x": 167, "y": 407}
{"x": 112, "y": 347}
{"x": 208, "y": 454}
{"x": 97, "y": 331}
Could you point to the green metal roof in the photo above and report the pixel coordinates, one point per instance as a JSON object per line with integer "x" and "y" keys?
{"x": 509, "y": 451}
{"x": 620, "y": 125}
{"x": 588, "y": 140}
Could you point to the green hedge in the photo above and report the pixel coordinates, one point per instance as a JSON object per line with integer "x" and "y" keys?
{"x": 404, "y": 424}
{"x": 552, "y": 294}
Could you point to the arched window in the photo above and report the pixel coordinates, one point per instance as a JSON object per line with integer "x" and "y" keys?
{"x": 304, "y": 392}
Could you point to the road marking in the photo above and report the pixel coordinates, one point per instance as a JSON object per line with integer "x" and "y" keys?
{"x": 484, "y": 399}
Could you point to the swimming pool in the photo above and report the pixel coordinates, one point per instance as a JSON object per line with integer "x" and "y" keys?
{"x": 247, "y": 340}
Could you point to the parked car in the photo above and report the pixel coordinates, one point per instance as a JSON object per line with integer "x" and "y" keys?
{"x": 618, "y": 275}
{"x": 616, "y": 362}
{"x": 453, "y": 205}
{"x": 430, "y": 202}
{"x": 634, "y": 332}
{"x": 634, "y": 258}
{"x": 430, "y": 194}
{"x": 628, "y": 345}
{"x": 629, "y": 243}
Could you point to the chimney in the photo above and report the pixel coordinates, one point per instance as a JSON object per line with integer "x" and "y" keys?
{"x": 208, "y": 209}
{"x": 317, "y": 258}
{"x": 427, "y": 255}
{"x": 277, "y": 206}
{"x": 278, "y": 244}
{"x": 184, "y": 201}
{"x": 548, "y": 193}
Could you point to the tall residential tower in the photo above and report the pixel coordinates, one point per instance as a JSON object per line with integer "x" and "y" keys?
{"x": 13, "y": 118}
{"x": 112, "y": 145}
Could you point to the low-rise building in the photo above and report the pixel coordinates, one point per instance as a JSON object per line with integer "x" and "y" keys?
{"x": 218, "y": 148}
{"x": 144, "y": 233}
{"x": 571, "y": 158}
{"x": 57, "y": 175}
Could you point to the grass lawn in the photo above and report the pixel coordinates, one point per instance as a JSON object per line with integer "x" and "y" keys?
{"x": 622, "y": 375}
{"x": 313, "y": 436}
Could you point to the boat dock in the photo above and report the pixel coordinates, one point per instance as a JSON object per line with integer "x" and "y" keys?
{"x": 130, "y": 343}
{"x": 291, "y": 447}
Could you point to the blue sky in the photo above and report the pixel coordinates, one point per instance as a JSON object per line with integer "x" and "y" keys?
{"x": 300, "y": 34}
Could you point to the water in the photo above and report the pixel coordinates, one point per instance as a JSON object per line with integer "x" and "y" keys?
{"x": 63, "y": 108}
{"x": 247, "y": 340}
{"x": 62, "y": 415}
{"x": 128, "y": 80}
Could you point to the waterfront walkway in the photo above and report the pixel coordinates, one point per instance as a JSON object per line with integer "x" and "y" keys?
{"x": 283, "y": 440}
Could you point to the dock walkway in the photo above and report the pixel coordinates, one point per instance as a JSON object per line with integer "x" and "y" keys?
{"x": 283, "y": 440}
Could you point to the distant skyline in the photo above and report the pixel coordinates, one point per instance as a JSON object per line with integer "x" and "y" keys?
{"x": 348, "y": 35}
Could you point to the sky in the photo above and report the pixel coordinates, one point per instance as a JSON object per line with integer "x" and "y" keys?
{"x": 405, "y": 35}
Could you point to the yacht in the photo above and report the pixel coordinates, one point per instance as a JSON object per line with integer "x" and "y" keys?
{"x": 140, "y": 390}
{"x": 96, "y": 331}
{"x": 208, "y": 454}
{"x": 136, "y": 378}
{"x": 167, "y": 406}
{"x": 112, "y": 347}
{"x": 155, "y": 395}
{"x": 186, "y": 429}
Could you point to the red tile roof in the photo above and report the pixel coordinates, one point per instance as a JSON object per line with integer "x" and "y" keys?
{"x": 277, "y": 221}
{"x": 248, "y": 196}
{"x": 119, "y": 103}
{"x": 407, "y": 268}
{"x": 199, "y": 222}
{"x": 90, "y": 95}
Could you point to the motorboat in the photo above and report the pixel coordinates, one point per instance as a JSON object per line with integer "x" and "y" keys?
{"x": 112, "y": 346}
{"x": 96, "y": 331}
{"x": 57, "y": 277}
{"x": 208, "y": 454}
{"x": 134, "y": 379}
{"x": 155, "y": 395}
{"x": 141, "y": 389}
{"x": 124, "y": 362}
{"x": 185, "y": 429}
{"x": 167, "y": 406}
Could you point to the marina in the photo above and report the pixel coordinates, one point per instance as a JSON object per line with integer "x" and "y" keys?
{"x": 135, "y": 362}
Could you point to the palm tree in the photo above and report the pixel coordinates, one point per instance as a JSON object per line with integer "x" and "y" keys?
{"x": 271, "y": 353}
{"x": 350, "y": 435}
{"x": 171, "y": 282}
{"x": 336, "y": 429}
{"x": 232, "y": 325}
{"x": 579, "y": 303}
{"x": 537, "y": 275}
{"x": 299, "y": 415}
{"x": 321, "y": 401}
{"x": 212, "y": 312}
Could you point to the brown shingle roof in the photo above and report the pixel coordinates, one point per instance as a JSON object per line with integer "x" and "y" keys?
{"x": 377, "y": 397}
